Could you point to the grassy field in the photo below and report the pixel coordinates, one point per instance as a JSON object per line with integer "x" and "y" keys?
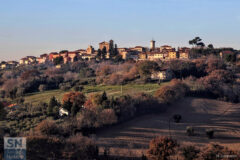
{"x": 112, "y": 90}
{"x": 132, "y": 138}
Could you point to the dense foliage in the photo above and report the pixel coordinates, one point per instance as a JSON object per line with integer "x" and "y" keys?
{"x": 207, "y": 76}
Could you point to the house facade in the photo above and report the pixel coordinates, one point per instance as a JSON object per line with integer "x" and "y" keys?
{"x": 107, "y": 45}
{"x": 163, "y": 75}
{"x": 90, "y": 50}
{"x": 28, "y": 60}
{"x": 184, "y": 53}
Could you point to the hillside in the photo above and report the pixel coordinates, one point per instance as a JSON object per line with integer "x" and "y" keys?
{"x": 132, "y": 138}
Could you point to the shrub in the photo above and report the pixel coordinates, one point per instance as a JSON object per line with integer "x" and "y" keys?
{"x": 124, "y": 108}
{"x": 146, "y": 103}
{"x": 216, "y": 151}
{"x": 20, "y": 92}
{"x": 174, "y": 91}
{"x": 166, "y": 94}
{"x": 182, "y": 69}
{"x": 190, "y": 131}
{"x": 214, "y": 64}
{"x": 78, "y": 88}
{"x": 161, "y": 148}
{"x": 47, "y": 128}
{"x": 70, "y": 76}
{"x": 43, "y": 147}
{"x": 87, "y": 119}
{"x": 79, "y": 147}
{"x": 65, "y": 86}
{"x": 210, "y": 133}
{"x": 177, "y": 118}
{"x": 75, "y": 97}
{"x": 86, "y": 72}
{"x": 146, "y": 68}
{"x": 190, "y": 152}
{"x": 97, "y": 101}
{"x": 107, "y": 117}
{"x": 104, "y": 70}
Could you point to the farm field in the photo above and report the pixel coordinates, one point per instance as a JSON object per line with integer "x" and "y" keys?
{"x": 132, "y": 138}
{"x": 111, "y": 90}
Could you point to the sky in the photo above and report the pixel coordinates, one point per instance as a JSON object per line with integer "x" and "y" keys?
{"x": 34, "y": 27}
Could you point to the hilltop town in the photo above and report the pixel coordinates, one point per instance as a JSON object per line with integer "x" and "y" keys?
{"x": 108, "y": 49}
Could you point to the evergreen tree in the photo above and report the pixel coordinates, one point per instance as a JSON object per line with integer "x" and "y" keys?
{"x": 67, "y": 105}
{"x": 104, "y": 96}
{"x": 74, "y": 109}
{"x": 58, "y": 60}
{"x": 52, "y": 103}
{"x": 112, "y": 102}
{"x": 104, "y": 52}
{"x": 116, "y": 50}
{"x": 104, "y": 100}
{"x": 99, "y": 54}
{"x": 2, "y": 112}
{"x": 111, "y": 49}
{"x": 55, "y": 111}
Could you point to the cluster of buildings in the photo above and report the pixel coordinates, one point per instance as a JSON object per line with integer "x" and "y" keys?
{"x": 72, "y": 56}
{"x": 153, "y": 53}
{"x": 162, "y": 53}
{"x": 136, "y": 53}
{"x": 8, "y": 65}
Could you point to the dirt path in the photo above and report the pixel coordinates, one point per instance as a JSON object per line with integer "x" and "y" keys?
{"x": 132, "y": 138}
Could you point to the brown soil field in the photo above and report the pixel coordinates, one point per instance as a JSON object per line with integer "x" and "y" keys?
{"x": 132, "y": 138}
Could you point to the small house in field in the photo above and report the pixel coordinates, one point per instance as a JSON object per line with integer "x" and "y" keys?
{"x": 163, "y": 75}
{"x": 63, "y": 112}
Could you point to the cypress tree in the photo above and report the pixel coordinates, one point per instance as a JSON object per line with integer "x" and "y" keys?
{"x": 52, "y": 103}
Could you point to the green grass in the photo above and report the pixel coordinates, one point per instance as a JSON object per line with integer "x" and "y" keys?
{"x": 111, "y": 90}
{"x": 43, "y": 96}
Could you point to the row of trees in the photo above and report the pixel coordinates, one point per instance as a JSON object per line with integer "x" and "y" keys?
{"x": 163, "y": 148}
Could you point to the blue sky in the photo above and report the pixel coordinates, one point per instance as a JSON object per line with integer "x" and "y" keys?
{"x": 34, "y": 27}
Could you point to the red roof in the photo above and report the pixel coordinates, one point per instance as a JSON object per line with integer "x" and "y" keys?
{"x": 53, "y": 53}
{"x": 227, "y": 52}
{"x": 73, "y": 52}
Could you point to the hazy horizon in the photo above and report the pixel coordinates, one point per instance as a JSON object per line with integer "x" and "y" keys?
{"x": 42, "y": 26}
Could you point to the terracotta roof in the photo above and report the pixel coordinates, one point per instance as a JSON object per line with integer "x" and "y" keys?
{"x": 74, "y": 52}
{"x": 227, "y": 52}
{"x": 12, "y": 105}
{"x": 165, "y": 46}
{"x": 43, "y": 55}
{"x": 54, "y": 53}
{"x": 104, "y": 42}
